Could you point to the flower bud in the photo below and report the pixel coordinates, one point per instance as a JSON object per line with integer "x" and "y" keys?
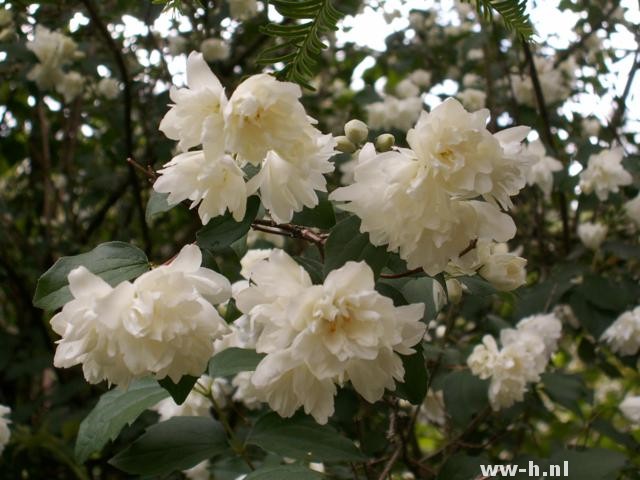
{"x": 454, "y": 290}
{"x": 505, "y": 272}
{"x": 356, "y": 131}
{"x": 384, "y": 142}
{"x": 344, "y": 145}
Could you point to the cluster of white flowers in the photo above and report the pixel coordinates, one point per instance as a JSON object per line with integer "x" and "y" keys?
{"x": 605, "y": 173}
{"x": 541, "y": 172}
{"x": 394, "y": 113}
{"x": 432, "y": 409}
{"x": 524, "y": 355}
{"x": 623, "y": 335}
{"x": 162, "y": 324}
{"x": 630, "y": 408}
{"x": 55, "y": 50}
{"x": 320, "y": 336}
{"x": 262, "y": 124}
{"x": 243, "y": 9}
{"x": 632, "y": 209}
{"x": 5, "y": 433}
{"x": 472, "y": 98}
{"x": 556, "y": 82}
{"x": 422, "y": 201}
{"x": 592, "y": 234}
{"x": 492, "y": 261}
{"x": 109, "y": 88}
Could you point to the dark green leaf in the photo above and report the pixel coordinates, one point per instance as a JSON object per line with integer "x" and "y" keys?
{"x": 301, "y": 438}
{"x": 465, "y": 395}
{"x": 414, "y": 387}
{"x": 114, "y": 262}
{"x": 566, "y": 389}
{"x": 590, "y": 464}
{"x": 156, "y": 205}
{"x": 234, "y": 360}
{"x": 179, "y": 391}
{"x": 346, "y": 243}
{"x": 114, "y": 410}
{"x": 322, "y": 216}
{"x": 222, "y": 231}
{"x": 420, "y": 290}
{"x": 177, "y": 444}
{"x": 285, "y": 472}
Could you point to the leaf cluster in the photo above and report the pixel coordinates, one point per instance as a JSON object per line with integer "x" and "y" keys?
{"x": 513, "y": 13}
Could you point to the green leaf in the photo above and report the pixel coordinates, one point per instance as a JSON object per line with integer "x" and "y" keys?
{"x": 322, "y": 216}
{"x": 178, "y": 391}
{"x": 222, "y": 231}
{"x": 298, "y": 44}
{"x": 478, "y": 285}
{"x": 346, "y": 243}
{"x": 465, "y": 395}
{"x": 114, "y": 410}
{"x": 177, "y": 444}
{"x": 156, "y": 205}
{"x": 313, "y": 268}
{"x": 462, "y": 467}
{"x": 234, "y": 360}
{"x": 285, "y": 472}
{"x": 513, "y": 13}
{"x": 420, "y": 290}
{"x": 114, "y": 262}
{"x": 605, "y": 294}
{"x": 594, "y": 319}
{"x": 301, "y": 438}
{"x": 566, "y": 389}
{"x": 416, "y": 378}
{"x": 590, "y": 464}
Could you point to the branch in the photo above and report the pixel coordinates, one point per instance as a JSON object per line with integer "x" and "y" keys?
{"x": 548, "y": 135}
{"x": 128, "y": 126}
{"x": 292, "y": 231}
{"x": 618, "y": 115}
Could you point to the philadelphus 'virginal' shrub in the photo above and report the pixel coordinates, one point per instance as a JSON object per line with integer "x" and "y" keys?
{"x": 524, "y": 355}
{"x": 263, "y": 124}
{"x": 5, "y": 433}
{"x": 418, "y": 201}
{"x": 317, "y": 336}
{"x": 162, "y": 324}
{"x": 623, "y": 335}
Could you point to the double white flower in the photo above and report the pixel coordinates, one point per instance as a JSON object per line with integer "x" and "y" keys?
{"x": 262, "y": 124}
{"x": 320, "y": 336}
{"x": 623, "y": 335}
{"x": 524, "y": 355}
{"x": 162, "y": 324}
{"x": 421, "y": 201}
{"x": 605, "y": 173}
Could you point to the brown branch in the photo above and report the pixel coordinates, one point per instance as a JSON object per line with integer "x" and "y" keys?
{"x": 618, "y": 115}
{"x": 292, "y": 231}
{"x": 549, "y": 140}
{"x": 128, "y": 124}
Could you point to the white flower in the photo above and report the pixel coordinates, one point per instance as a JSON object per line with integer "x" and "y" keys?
{"x": 216, "y": 183}
{"x": 524, "y": 355}
{"x": 432, "y": 409}
{"x": 251, "y": 258}
{"x": 163, "y": 323}
{"x": 471, "y": 80}
{"x": 199, "y": 472}
{"x": 177, "y": 45}
{"x": 197, "y": 403}
{"x": 5, "y": 433}
{"x": 402, "y": 205}
{"x": 214, "y": 49}
{"x": 317, "y": 336}
{"x": 505, "y": 272}
{"x": 463, "y": 156}
{"x": 109, "y": 88}
{"x": 245, "y": 391}
{"x": 197, "y": 112}
{"x": 472, "y": 98}
{"x": 71, "y": 86}
{"x": 243, "y": 9}
{"x": 623, "y": 335}
{"x": 556, "y": 82}
{"x": 630, "y": 407}
{"x": 53, "y": 50}
{"x": 407, "y": 89}
{"x": 632, "y": 209}
{"x": 605, "y": 173}
{"x": 421, "y": 78}
{"x": 541, "y": 172}
{"x": 592, "y": 234}
{"x": 475, "y": 54}
{"x": 394, "y": 113}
